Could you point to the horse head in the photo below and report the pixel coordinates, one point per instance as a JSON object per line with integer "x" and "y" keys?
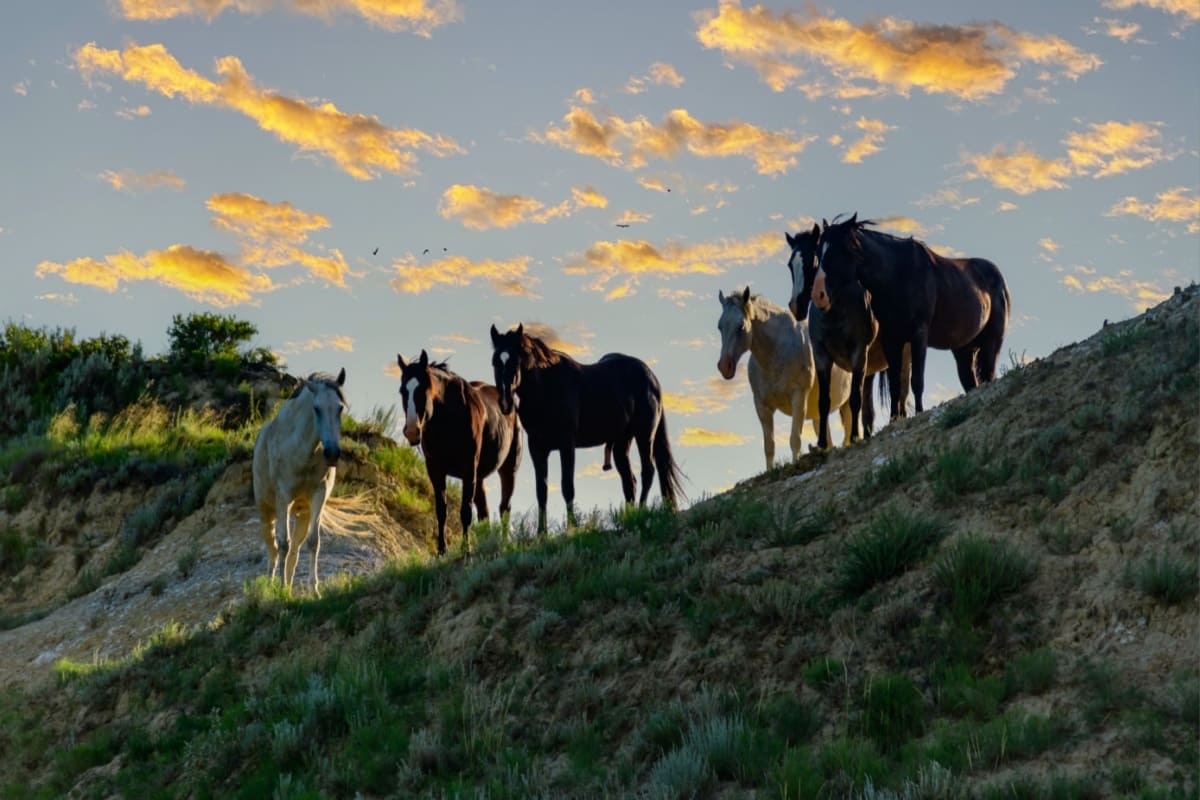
{"x": 328, "y": 403}
{"x": 507, "y": 356}
{"x": 837, "y": 260}
{"x": 802, "y": 264}
{"x": 734, "y": 325}
{"x": 418, "y": 390}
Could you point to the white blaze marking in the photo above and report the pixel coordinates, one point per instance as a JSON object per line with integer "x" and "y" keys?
{"x": 411, "y": 388}
{"x": 504, "y": 357}
{"x": 824, "y": 249}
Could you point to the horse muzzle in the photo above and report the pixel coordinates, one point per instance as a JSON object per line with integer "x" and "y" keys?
{"x": 727, "y": 367}
{"x": 413, "y": 434}
{"x": 332, "y": 454}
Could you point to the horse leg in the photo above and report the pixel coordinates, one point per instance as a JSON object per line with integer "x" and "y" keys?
{"x": 540, "y": 468}
{"x": 824, "y": 378}
{"x": 920, "y": 345}
{"x": 317, "y": 505}
{"x": 893, "y": 350}
{"x": 620, "y": 454}
{"x": 296, "y": 537}
{"x": 464, "y": 512}
{"x": 868, "y": 408}
{"x": 766, "y": 418}
{"x": 267, "y": 526}
{"x": 608, "y": 451}
{"x": 645, "y": 445}
{"x": 438, "y": 481}
{"x": 964, "y": 359}
{"x": 566, "y": 457}
{"x": 481, "y": 504}
{"x": 856, "y": 402}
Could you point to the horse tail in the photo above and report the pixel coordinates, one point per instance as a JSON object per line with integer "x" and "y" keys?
{"x": 992, "y": 338}
{"x": 670, "y": 477}
{"x": 885, "y": 391}
{"x": 359, "y": 516}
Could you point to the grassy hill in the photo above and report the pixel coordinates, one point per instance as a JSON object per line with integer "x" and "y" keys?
{"x": 996, "y": 599}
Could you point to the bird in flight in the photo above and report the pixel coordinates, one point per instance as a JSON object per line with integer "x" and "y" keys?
{"x": 375, "y": 252}
{"x": 425, "y": 251}
{"x": 622, "y": 224}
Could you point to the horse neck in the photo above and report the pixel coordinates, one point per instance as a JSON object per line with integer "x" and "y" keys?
{"x": 766, "y": 331}
{"x": 296, "y": 415}
{"x": 873, "y": 272}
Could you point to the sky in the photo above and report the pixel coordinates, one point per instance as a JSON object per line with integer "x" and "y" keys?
{"x": 360, "y": 178}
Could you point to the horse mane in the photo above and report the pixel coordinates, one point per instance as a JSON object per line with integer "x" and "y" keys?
{"x": 325, "y": 378}
{"x": 536, "y": 354}
{"x": 755, "y": 300}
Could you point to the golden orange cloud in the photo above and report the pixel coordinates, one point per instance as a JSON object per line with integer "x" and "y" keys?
{"x": 359, "y": 144}
{"x": 653, "y": 184}
{"x": 509, "y": 277}
{"x": 480, "y": 208}
{"x": 419, "y": 16}
{"x": 1049, "y": 245}
{"x": 631, "y": 259}
{"x": 1117, "y": 29}
{"x": 337, "y": 342}
{"x": 632, "y": 143}
{"x": 870, "y": 143}
{"x": 895, "y": 55}
{"x": 271, "y": 234}
{"x": 689, "y": 404}
{"x": 568, "y": 344}
{"x": 1007, "y": 206}
{"x": 946, "y": 197}
{"x": 200, "y": 274}
{"x": 1188, "y": 9}
{"x": 133, "y": 112}
{"x": 703, "y": 437}
{"x": 1110, "y": 148}
{"x": 906, "y": 226}
{"x": 128, "y": 180}
{"x": 660, "y": 73}
{"x": 1023, "y": 171}
{"x": 1140, "y": 294}
{"x": 630, "y": 217}
{"x": 1173, "y": 205}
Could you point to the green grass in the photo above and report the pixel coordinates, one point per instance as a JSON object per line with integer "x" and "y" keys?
{"x": 892, "y": 711}
{"x": 821, "y": 673}
{"x": 961, "y": 469}
{"x": 893, "y": 473}
{"x": 955, "y": 414}
{"x": 1169, "y": 578}
{"x": 974, "y": 573}
{"x": 1033, "y": 672}
{"x": 894, "y": 541}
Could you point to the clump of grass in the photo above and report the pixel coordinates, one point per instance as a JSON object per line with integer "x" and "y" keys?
{"x": 1119, "y": 339}
{"x": 188, "y": 559}
{"x": 955, "y": 414}
{"x": 1063, "y": 541}
{"x": 891, "y": 543}
{"x": 960, "y": 693}
{"x": 892, "y": 473}
{"x": 792, "y": 527}
{"x": 892, "y": 710}
{"x": 1170, "y": 579}
{"x": 974, "y": 573}
{"x": 1031, "y": 673}
{"x": 1103, "y": 692}
{"x": 823, "y": 672}
{"x": 1089, "y": 416}
{"x": 960, "y": 469}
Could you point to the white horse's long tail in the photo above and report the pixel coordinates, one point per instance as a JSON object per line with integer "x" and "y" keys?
{"x": 361, "y": 516}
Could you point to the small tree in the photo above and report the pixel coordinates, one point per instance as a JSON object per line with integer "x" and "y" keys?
{"x": 199, "y": 338}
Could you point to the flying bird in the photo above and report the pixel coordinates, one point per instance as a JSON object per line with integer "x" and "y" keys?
{"x": 443, "y": 249}
{"x": 375, "y": 252}
{"x": 426, "y": 250}
{"x": 622, "y": 224}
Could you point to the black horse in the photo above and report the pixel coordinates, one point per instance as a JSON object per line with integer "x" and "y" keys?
{"x": 920, "y": 298}
{"x": 463, "y": 434}
{"x": 564, "y": 405}
{"x": 846, "y": 334}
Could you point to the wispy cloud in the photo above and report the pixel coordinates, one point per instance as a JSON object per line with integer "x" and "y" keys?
{"x": 1173, "y": 205}
{"x": 128, "y": 180}
{"x": 1022, "y": 171}
{"x": 68, "y": 299}
{"x": 572, "y": 340}
{"x": 653, "y": 184}
{"x": 631, "y": 217}
{"x": 870, "y": 143}
{"x": 690, "y": 404}
{"x": 203, "y": 275}
{"x": 481, "y": 208}
{"x": 906, "y": 226}
{"x": 339, "y": 341}
{"x": 21, "y": 88}
{"x": 632, "y": 143}
{"x": 631, "y": 260}
{"x": 888, "y": 55}
{"x": 946, "y": 197}
{"x": 359, "y": 144}
{"x": 1188, "y": 9}
{"x": 660, "y": 73}
{"x": 508, "y": 277}
{"x": 703, "y": 437}
{"x": 1005, "y": 205}
{"x": 1140, "y": 294}
{"x": 1116, "y": 28}
{"x": 419, "y": 16}
{"x": 133, "y": 112}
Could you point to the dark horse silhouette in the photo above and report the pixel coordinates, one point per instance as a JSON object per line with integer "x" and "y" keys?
{"x": 463, "y": 434}
{"x": 564, "y": 405}
{"x": 846, "y": 334}
{"x": 920, "y": 298}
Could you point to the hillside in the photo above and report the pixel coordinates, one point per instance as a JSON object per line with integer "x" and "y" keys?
{"x": 998, "y": 598}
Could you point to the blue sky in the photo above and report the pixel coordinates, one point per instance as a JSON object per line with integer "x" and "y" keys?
{"x": 247, "y": 156}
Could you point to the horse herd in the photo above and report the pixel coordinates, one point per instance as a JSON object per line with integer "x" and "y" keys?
{"x": 861, "y": 302}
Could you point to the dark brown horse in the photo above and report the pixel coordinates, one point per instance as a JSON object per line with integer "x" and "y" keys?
{"x": 846, "y": 334}
{"x": 463, "y": 434}
{"x": 920, "y": 298}
{"x": 564, "y": 405}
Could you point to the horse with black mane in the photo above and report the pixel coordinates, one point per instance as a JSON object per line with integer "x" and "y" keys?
{"x": 845, "y": 335}
{"x": 564, "y": 404}
{"x": 463, "y": 433}
{"x": 920, "y": 299}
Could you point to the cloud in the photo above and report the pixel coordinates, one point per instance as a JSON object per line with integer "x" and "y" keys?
{"x": 85, "y": 105}
{"x": 585, "y": 96}
{"x": 1140, "y": 294}
{"x": 660, "y": 73}
{"x": 456, "y": 338}
{"x": 1049, "y": 245}
{"x": 568, "y": 344}
{"x": 653, "y": 184}
{"x": 629, "y": 259}
{"x": 510, "y": 277}
{"x": 688, "y": 405}
{"x": 888, "y": 55}
{"x": 696, "y": 342}
{"x": 359, "y": 144}
{"x": 419, "y": 16}
{"x": 480, "y": 208}
{"x": 1104, "y": 149}
{"x": 133, "y": 112}
{"x": 703, "y": 437}
{"x": 271, "y": 234}
{"x": 68, "y": 299}
{"x": 631, "y": 217}
{"x": 906, "y": 226}
{"x": 128, "y": 180}
{"x": 1188, "y": 9}
{"x": 202, "y": 275}
{"x": 21, "y": 88}
{"x": 1117, "y": 29}
{"x": 870, "y": 143}
{"x": 1007, "y": 206}
{"x": 1173, "y": 205}
{"x": 946, "y": 197}
{"x": 632, "y": 143}
{"x": 337, "y": 342}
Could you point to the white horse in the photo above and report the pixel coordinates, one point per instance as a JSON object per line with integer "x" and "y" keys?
{"x": 295, "y": 464}
{"x": 782, "y": 375}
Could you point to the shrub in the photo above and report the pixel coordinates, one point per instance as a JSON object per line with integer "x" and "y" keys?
{"x": 1168, "y": 578}
{"x": 976, "y": 572}
{"x": 894, "y": 541}
{"x": 893, "y": 473}
{"x": 1031, "y": 673}
{"x": 892, "y": 711}
{"x": 196, "y": 339}
{"x": 824, "y": 671}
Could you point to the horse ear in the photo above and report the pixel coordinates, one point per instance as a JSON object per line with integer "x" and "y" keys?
{"x": 721, "y": 296}
{"x": 816, "y": 231}
{"x": 790, "y": 240}
{"x": 341, "y": 381}
{"x": 495, "y": 336}
{"x": 520, "y": 329}
{"x": 746, "y": 296}
{"x": 424, "y": 362}
{"x": 824, "y": 223}
{"x": 854, "y": 218}
{"x": 400, "y": 361}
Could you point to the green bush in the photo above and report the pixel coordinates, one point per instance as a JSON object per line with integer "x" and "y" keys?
{"x": 974, "y": 573}
{"x": 894, "y": 541}
{"x": 196, "y": 339}
{"x": 1168, "y": 578}
{"x": 892, "y": 711}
